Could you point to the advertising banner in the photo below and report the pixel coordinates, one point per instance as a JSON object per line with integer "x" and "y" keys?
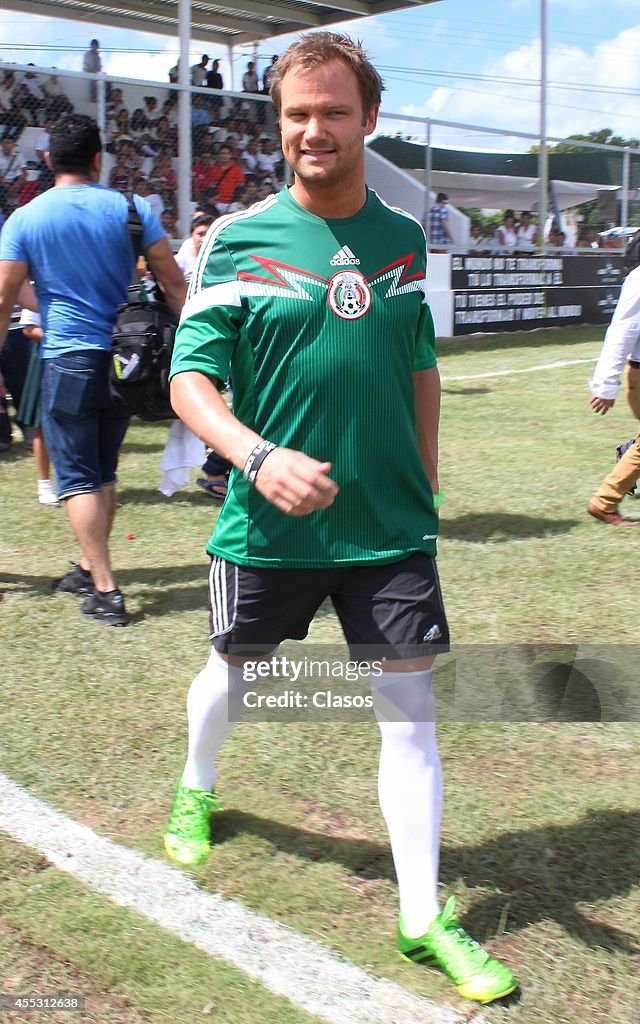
{"x": 521, "y": 291}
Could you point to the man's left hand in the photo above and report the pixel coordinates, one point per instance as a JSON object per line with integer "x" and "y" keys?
{"x": 602, "y": 405}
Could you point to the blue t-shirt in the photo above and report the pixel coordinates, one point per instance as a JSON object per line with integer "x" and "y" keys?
{"x": 75, "y": 241}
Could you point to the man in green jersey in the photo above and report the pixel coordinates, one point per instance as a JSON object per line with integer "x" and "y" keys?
{"x": 314, "y": 301}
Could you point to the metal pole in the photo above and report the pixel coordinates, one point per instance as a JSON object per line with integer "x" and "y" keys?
{"x": 626, "y": 170}
{"x": 427, "y": 180}
{"x": 232, "y": 83}
{"x": 543, "y": 161}
{"x": 184, "y": 119}
{"x": 101, "y": 119}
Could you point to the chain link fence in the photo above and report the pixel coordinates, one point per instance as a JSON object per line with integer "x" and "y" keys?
{"x": 219, "y": 151}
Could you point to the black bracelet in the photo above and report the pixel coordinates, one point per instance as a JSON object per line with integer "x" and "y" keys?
{"x": 255, "y": 460}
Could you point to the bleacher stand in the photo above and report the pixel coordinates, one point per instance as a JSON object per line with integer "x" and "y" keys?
{"x": 140, "y": 136}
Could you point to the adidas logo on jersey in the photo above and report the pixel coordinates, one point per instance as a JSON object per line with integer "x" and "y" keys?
{"x": 345, "y": 258}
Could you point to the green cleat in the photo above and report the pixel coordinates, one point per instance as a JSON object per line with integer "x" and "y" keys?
{"x": 445, "y": 945}
{"x": 188, "y": 836}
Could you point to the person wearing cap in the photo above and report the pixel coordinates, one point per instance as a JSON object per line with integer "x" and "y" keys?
{"x": 439, "y": 233}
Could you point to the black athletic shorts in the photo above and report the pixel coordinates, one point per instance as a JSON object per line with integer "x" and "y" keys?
{"x": 397, "y": 607}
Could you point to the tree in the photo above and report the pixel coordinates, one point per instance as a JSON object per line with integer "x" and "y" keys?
{"x": 602, "y": 136}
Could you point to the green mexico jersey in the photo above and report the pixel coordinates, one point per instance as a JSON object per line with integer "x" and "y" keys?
{"x": 320, "y": 324}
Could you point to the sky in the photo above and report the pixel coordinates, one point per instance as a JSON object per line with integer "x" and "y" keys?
{"x": 456, "y": 60}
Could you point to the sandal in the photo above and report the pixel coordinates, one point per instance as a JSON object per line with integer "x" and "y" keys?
{"x": 216, "y": 488}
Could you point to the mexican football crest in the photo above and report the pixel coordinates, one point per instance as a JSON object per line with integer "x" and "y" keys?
{"x": 349, "y": 295}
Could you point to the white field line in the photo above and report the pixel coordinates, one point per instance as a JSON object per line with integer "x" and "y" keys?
{"x": 528, "y": 369}
{"x": 309, "y": 975}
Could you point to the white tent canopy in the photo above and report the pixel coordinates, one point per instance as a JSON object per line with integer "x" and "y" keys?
{"x": 502, "y": 191}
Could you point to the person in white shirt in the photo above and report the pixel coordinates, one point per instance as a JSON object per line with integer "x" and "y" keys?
{"x": 526, "y": 232}
{"x": 250, "y": 79}
{"x": 506, "y": 234}
{"x": 143, "y": 188}
{"x": 92, "y": 64}
{"x": 249, "y": 158}
{"x": 13, "y": 171}
{"x": 199, "y": 72}
{"x": 269, "y": 158}
{"x": 620, "y": 355}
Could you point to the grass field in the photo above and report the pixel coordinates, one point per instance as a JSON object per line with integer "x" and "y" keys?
{"x": 541, "y": 832}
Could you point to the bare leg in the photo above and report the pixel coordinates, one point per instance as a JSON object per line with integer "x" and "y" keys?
{"x": 40, "y": 455}
{"x": 91, "y": 517}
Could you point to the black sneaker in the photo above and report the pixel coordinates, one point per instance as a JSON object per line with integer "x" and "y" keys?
{"x": 76, "y": 581}
{"x": 108, "y": 608}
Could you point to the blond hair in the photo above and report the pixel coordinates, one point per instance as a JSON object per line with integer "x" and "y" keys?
{"x": 316, "y": 48}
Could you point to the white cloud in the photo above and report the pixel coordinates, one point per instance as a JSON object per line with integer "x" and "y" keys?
{"x": 571, "y": 108}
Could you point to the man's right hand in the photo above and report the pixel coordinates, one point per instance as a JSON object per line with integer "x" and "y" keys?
{"x": 295, "y": 483}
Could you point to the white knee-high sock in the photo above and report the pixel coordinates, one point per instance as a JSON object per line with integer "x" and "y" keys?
{"x": 214, "y": 705}
{"x": 410, "y": 790}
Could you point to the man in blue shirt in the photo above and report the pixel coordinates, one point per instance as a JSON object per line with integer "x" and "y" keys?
{"x": 73, "y": 241}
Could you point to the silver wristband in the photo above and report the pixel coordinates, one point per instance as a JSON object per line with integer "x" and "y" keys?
{"x": 255, "y": 460}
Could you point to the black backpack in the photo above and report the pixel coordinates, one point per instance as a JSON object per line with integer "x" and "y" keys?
{"x": 141, "y": 346}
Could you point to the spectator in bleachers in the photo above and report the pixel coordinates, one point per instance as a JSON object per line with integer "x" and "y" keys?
{"x": 266, "y": 188}
{"x": 557, "y": 237}
{"x": 118, "y": 129}
{"x": 477, "y": 241}
{"x": 228, "y": 175}
{"x": 250, "y": 79}
{"x": 162, "y": 134}
{"x": 162, "y": 174}
{"x": 115, "y": 104}
{"x": 200, "y": 118}
{"x": 150, "y": 109}
{"x": 92, "y": 64}
{"x": 526, "y": 231}
{"x": 199, "y": 72}
{"x": 247, "y": 194}
{"x": 242, "y": 137}
{"x": 13, "y": 172}
{"x": 213, "y": 77}
{"x": 139, "y": 127}
{"x": 174, "y": 73}
{"x": 269, "y": 158}
{"x": 188, "y": 252}
{"x": 58, "y": 103}
{"x": 31, "y": 96}
{"x": 42, "y": 142}
{"x": 268, "y": 75}
{"x": 203, "y": 173}
{"x": 131, "y": 156}
{"x": 169, "y": 222}
{"x": 121, "y": 175}
{"x": 10, "y": 114}
{"x": 170, "y": 110}
{"x": 588, "y": 239}
{"x": 249, "y": 158}
{"x": 506, "y": 235}
{"x": 142, "y": 187}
